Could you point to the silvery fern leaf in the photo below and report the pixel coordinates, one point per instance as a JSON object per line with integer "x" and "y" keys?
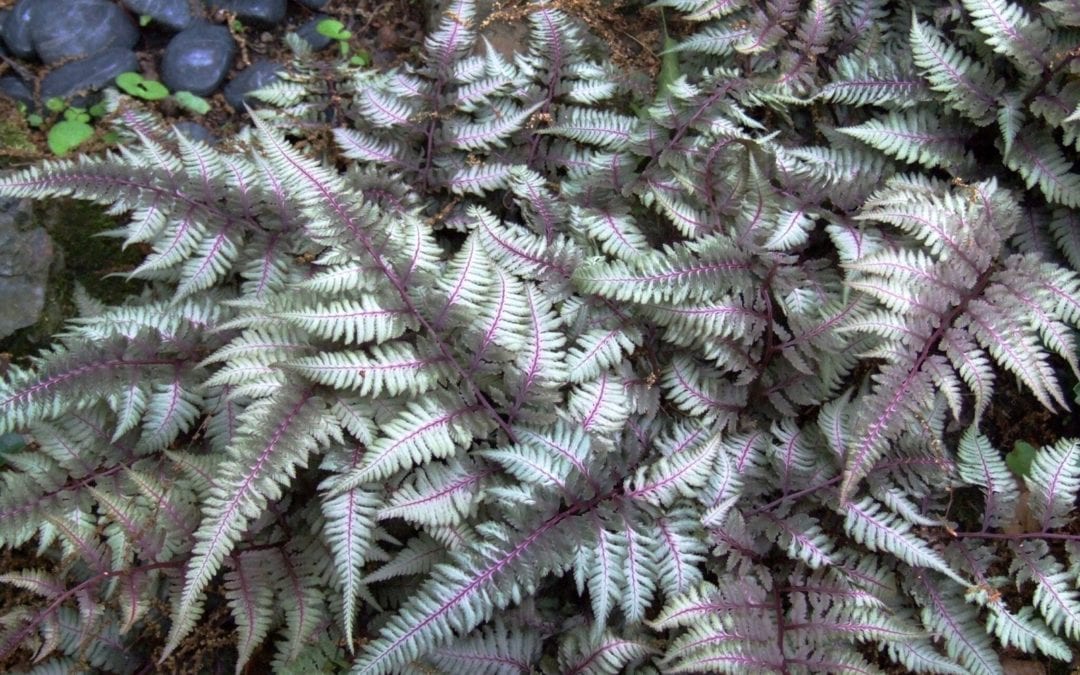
{"x": 1010, "y": 31}
{"x": 606, "y": 130}
{"x": 914, "y": 136}
{"x": 603, "y": 654}
{"x": 598, "y": 350}
{"x": 619, "y": 236}
{"x": 265, "y": 459}
{"x": 980, "y": 463}
{"x": 679, "y": 474}
{"x": 394, "y": 368}
{"x": 874, "y": 80}
{"x": 701, "y": 10}
{"x": 249, "y": 590}
{"x": 355, "y": 321}
{"x": 493, "y": 129}
{"x": 677, "y": 274}
{"x": 953, "y": 621}
{"x": 437, "y": 494}
{"x": 967, "y": 85}
{"x": 466, "y": 591}
{"x": 869, "y": 523}
{"x": 1025, "y": 631}
{"x": 1040, "y": 161}
{"x": 349, "y": 531}
{"x": 494, "y": 650}
{"x": 1053, "y": 482}
{"x": 1055, "y": 594}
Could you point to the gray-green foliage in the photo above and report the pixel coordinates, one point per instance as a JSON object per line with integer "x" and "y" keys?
{"x": 512, "y": 380}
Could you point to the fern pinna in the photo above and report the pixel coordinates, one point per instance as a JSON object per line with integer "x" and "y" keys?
{"x": 514, "y": 379}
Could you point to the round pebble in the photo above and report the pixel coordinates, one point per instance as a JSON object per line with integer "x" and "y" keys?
{"x": 172, "y": 14}
{"x": 16, "y": 29}
{"x": 266, "y": 13}
{"x": 17, "y": 90}
{"x": 63, "y": 29}
{"x": 309, "y": 33}
{"x": 255, "y": 76}
{"x": 194, "y": 131}
{"x": 88, "y": 74}
{"x": 197, "y": 59}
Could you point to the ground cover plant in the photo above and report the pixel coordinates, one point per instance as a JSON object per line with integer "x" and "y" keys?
{"x": 530, "y": 371}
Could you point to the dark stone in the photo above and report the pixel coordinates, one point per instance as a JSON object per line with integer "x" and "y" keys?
{"x": 88, "y": 74}
{"x": 197, "y": 59}
{"x": 15, "y": 89}
{"x": 16, "y": 29}
{"x": 256, "y": 76}
{"x": 265, "y": 13}
{"x": 65, "y": 28}
{"x": 25, "y": 257}
{"x": 314, "y": 4}
{"x": 310, "y": 34}
{"x": 172, "y": 14}
{"x": 194, "y": 131}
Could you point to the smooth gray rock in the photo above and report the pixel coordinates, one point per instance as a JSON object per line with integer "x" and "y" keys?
{"x": 88, "y": 74}
{"x": 15, "y": 89}
{"x": 265, "y": 13}
{"x": 197, "y": 59}
{"x": 255, "y": 76}
{"x": 172, "y": 14}
{"x": 194, "y": 131}
{"x": 66, "y": 28}
{"x": 310, "y": 34}
{"x": 313, "y": 4}
{"x": 25, "y": 257}
{"x": 16, "y": 29}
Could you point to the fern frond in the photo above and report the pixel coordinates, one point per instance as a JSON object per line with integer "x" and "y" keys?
{"x": 265, "y": 459}
{"x": 394, "y": 368}
{"x": 605, "y": 654}
{"x": 913, "y": 136}
{"x": 1054, "y": 481}
{"x": 426, "y": 429}
{"x": 680, "y": 273}
{"x": 981, "y": 464}
{"x": 461, "y": 594}
{"x": 1055, "y": 595}
{"x": 1011, "y": 32}
{"x": 437, "y": 494}
{"x": 1039, "y": 160}
{"x": 868, "y": 523}
{"x": 967, "y": 85}
{"x": 493, "y": 650}
{"x": 954, "y": 622}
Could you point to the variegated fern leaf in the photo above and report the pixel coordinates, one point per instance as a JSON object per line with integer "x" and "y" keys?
{"x": 513, "y": 379}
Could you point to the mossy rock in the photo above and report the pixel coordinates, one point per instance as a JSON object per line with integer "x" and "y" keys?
{"x": 82, "y": 257}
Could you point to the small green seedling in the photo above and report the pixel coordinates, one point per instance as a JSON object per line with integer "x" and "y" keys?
{"x": 194, "y": 103}
{"x": 67, "y": 134}
{"x": 335, "y": 30}
{"x": 72, "y": 130}
{"x": 144, "y": 20}
{"x": 140, "y": 87}
{"x": 1019, "y": 459}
